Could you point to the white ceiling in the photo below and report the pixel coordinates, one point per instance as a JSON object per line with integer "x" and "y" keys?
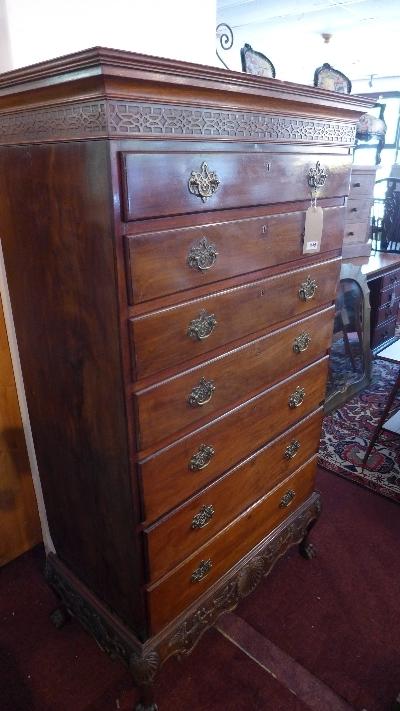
{"x": 365, "y": 35}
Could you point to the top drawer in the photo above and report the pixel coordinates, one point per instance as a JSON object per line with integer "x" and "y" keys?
{"x": 164, "y": 184}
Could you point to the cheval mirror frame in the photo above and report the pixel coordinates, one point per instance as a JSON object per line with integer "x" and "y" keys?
{"x": 337, "y": 398}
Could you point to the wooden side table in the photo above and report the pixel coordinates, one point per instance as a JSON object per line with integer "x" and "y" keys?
{"x": 382, "y": 271}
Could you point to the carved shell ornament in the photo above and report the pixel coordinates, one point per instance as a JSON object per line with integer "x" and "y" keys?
{"x": 204, "y": 182}
{"x": 250, "y": 576}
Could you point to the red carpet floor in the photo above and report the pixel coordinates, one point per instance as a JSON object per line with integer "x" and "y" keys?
{"x": 322, "y": 635}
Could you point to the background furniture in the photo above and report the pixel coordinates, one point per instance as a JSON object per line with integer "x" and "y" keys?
{"x": 386, "y": 216}
{"x": 357, "y": 231}
{"x": 350, "y": 356}
{"x": 256, "y": 63}
{"x": 383, "y": 276}
{"x": 326, "y": 77}
{"x": 173, "y": 334}
{"x": 391, "y": 354}
{"x": 371, "y": 133}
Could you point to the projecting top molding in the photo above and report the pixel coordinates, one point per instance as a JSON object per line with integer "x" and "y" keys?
{"x": 102, "y": 92}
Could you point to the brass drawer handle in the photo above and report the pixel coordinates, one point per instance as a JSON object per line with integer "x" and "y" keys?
{"x": 202, "y": 256}
{"x": 201, "y": 458}
{"x": 356, "y": 185}
{"x": 201, "y": 393}
{"x": 296, "y": 398}
{"x": 287, "y": 499}
{"x": 204, "y": 182}
{"x": 302, "y": 342}
{"x": 292, "y": 449}
{"x": 353, "y": 209}
{"x": 317, "y": 177}
{"x": 201, "y": 572}
{"x": 203, "y": 517}
{"x": 202, "y": 326}
{"x": 307, "y": 289}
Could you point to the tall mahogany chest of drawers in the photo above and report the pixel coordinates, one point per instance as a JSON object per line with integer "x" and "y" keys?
{"x": 173, "y": 336}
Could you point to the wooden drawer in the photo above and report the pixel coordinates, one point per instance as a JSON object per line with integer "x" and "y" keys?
{"x": 355, "y": 232}
{"x": 362, "y": 184}
{"x": 207, "y": 513}
{"x": 358, "y": 210}
{"x": 386, "y": 297}
{"x": 167, "y": 598}
{"x": 171, "y": 475}
{"x": 384, "y": 313}
{"x": 383, "y": 332}
{"x": 158, "y": 184}
{"x": 170, "y": 406}
{"x": 195, "y": 256}
{"x": 164, "y": 338}
{"x": 390, "y": 280}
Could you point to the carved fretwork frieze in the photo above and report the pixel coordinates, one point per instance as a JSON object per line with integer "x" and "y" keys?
{"x": 118, "y": 119}
{"x": 131, "y": 118}
{"x": 83, "y": 120}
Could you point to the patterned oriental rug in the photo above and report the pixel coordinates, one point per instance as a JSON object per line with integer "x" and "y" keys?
{"x": 348, "y": 430}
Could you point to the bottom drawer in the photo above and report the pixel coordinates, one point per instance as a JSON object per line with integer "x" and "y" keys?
{"x": 193, "y": 524}
{"x": 188, "y": 581}
{"x": 383, "y": 332}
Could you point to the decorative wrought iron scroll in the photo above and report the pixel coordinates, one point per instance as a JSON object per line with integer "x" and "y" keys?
{"x": 224, "y": 39}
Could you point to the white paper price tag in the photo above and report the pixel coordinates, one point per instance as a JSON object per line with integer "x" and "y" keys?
{"x": 313, "y": 229}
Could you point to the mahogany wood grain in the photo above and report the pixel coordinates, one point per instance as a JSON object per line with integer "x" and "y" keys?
{"x": 228, "y": 496}
{"x": 261, "y": 242}
{"x": 164, "y": 408}
{"x": 57, "y": 236}
{"x": 19, "y": 519}
{"x": 63, "y": 125}
{"x": 174, "y": 592}
{"x": 165, "y": 476}
{"x": 379, "y": 264}
{"x": 160, "y": 339}
{"x": 253, "y": 178}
